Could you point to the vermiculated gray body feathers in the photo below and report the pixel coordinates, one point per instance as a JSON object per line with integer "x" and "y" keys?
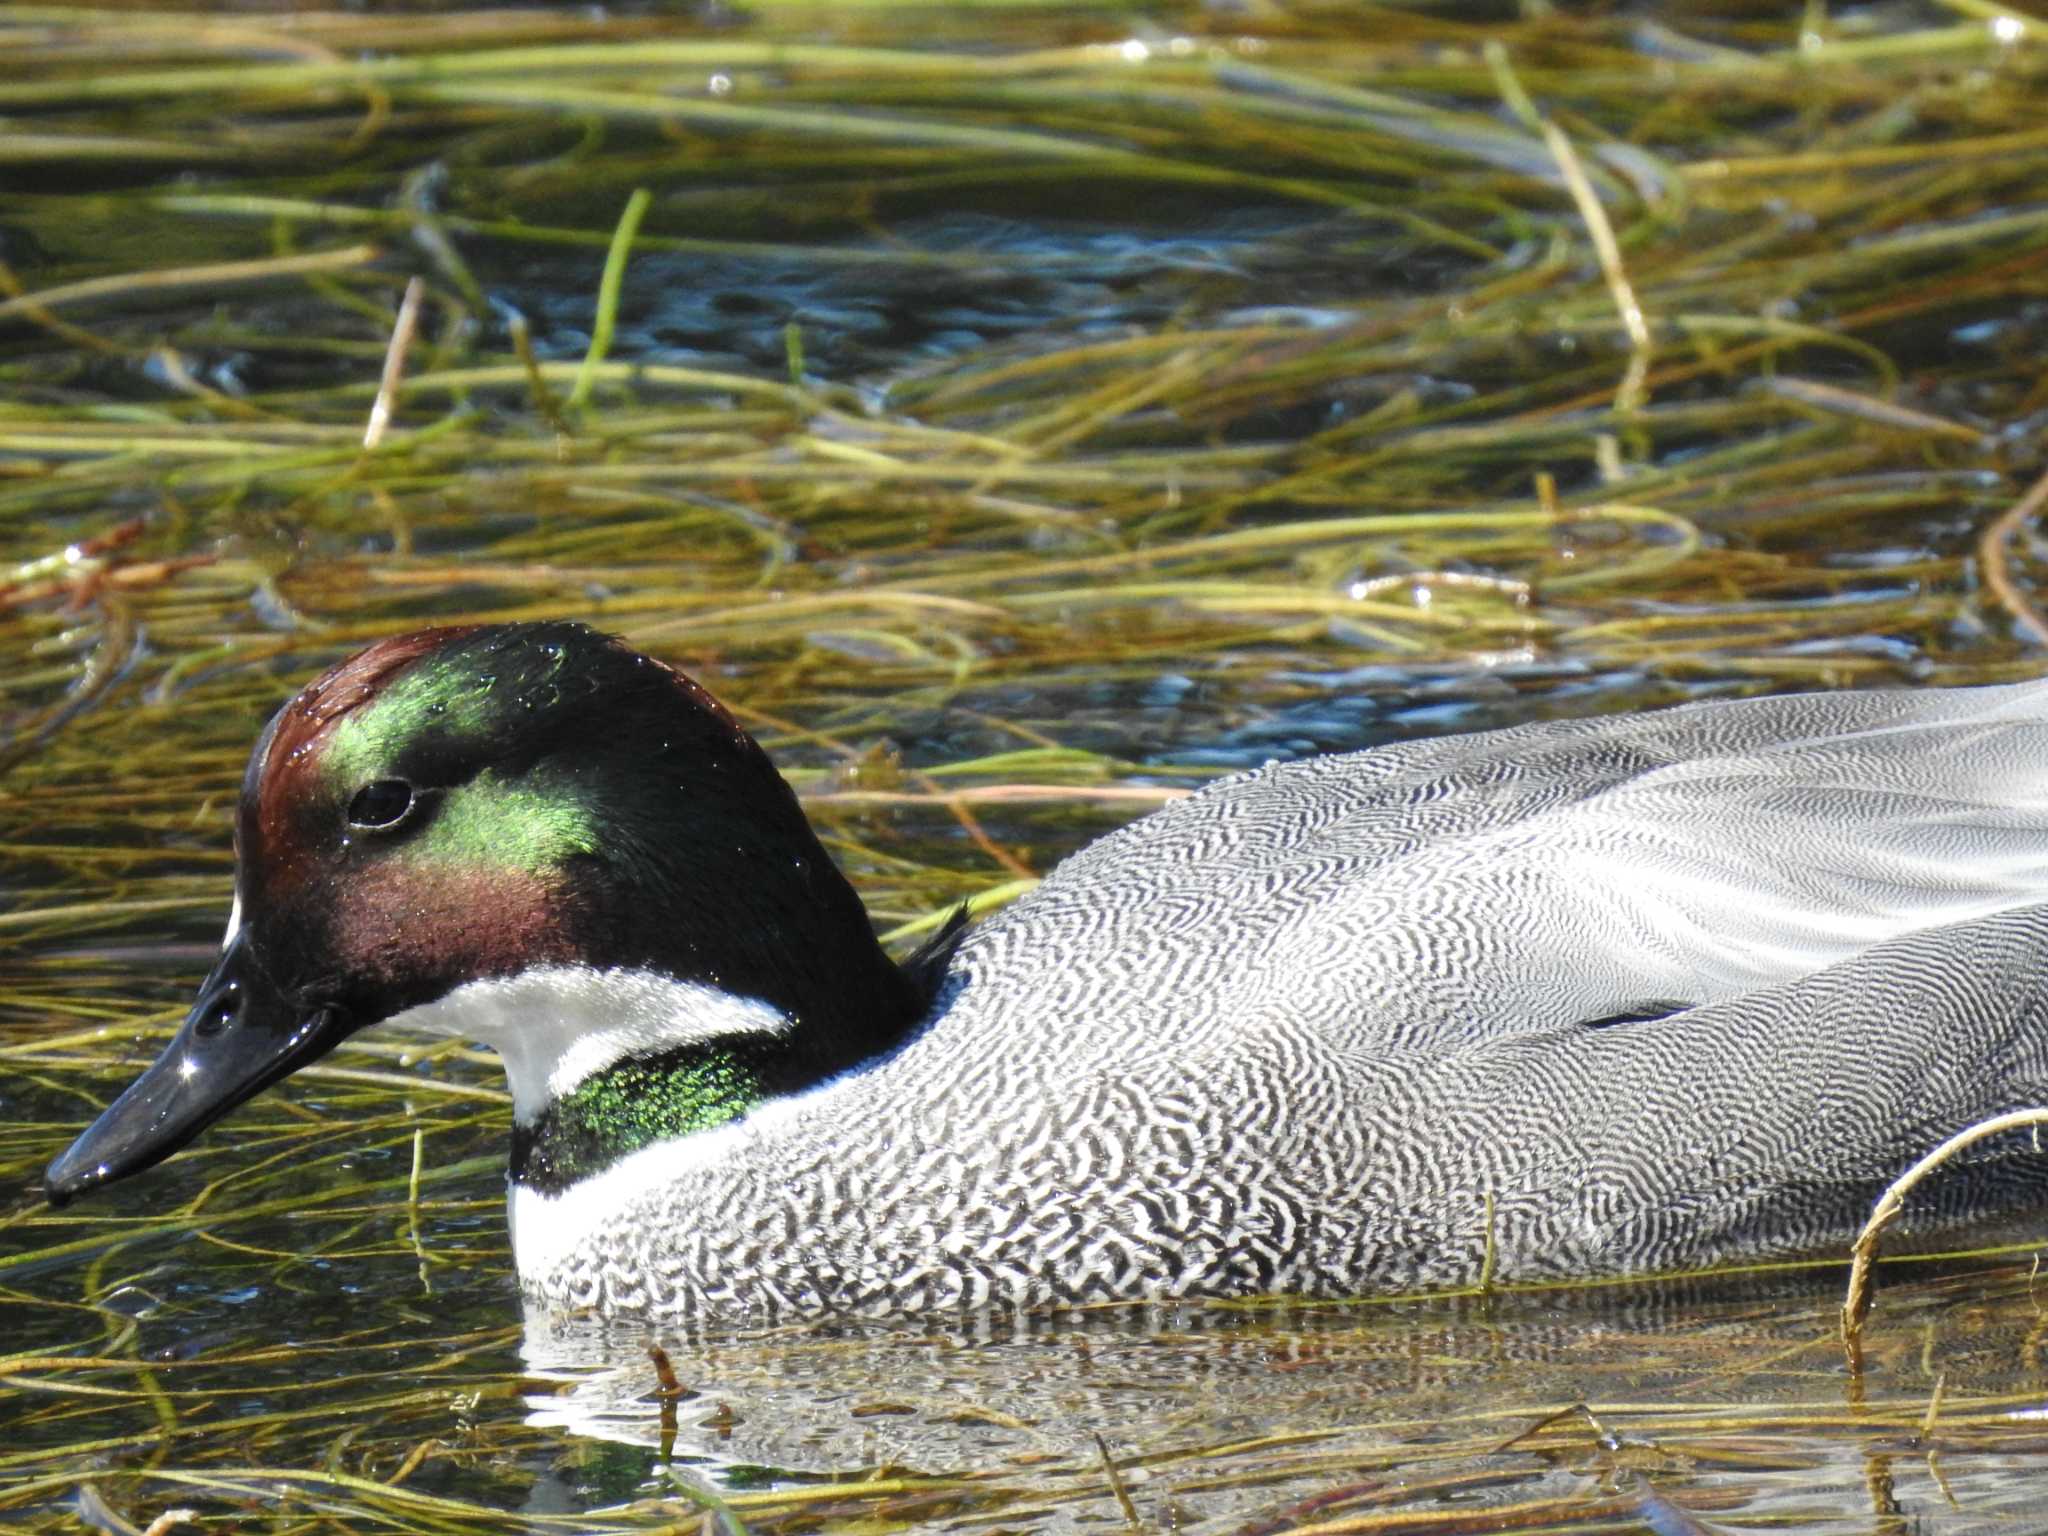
{"x": 1294, "y": 1032}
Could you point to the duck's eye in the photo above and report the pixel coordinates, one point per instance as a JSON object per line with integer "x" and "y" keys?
{"x": 381, "y": 805}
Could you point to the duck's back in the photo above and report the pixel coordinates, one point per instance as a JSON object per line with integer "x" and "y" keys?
{"x": 1443, "y": 892}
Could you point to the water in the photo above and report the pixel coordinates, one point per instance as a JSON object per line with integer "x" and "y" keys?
{"x": 925, "y": 453}
{"x": 1655, "y": 1405}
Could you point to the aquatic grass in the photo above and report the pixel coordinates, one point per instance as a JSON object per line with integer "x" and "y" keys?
{"x": 1094, "y": 401}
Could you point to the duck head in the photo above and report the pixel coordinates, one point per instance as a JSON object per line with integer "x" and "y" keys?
{"x": 532, "y": 834}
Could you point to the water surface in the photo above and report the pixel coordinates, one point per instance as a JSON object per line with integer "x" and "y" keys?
{"x": 1018, "y": 414}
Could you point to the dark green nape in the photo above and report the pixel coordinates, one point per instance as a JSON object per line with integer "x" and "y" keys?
{"x": 642, "y": 1100}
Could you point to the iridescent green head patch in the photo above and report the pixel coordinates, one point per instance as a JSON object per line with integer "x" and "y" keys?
{"x": 463, "y": 804}
{"x": 454, "y": 739}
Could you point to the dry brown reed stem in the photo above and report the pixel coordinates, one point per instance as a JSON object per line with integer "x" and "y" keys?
{"x": 394, "y": 364}
{"x": 1863, "y": 1252}
{"x": 1993, "y": 551}
{"x": 31, "y": 310}
{"x": 1629, "y": 397}
{"x": 1849, "y": 402}
{"x": 1116, "y": 1485}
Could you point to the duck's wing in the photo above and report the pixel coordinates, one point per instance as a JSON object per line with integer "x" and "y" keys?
{"x": 1447, "y": 892}
{"x": 1772, "y": 1121}
{"x": 1762, "y": 1125}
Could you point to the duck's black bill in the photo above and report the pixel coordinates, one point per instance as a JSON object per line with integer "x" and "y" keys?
{"x": 240, "y": 1037}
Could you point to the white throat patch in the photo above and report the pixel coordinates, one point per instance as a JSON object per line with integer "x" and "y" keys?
{"x": 556, "y": 1025}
